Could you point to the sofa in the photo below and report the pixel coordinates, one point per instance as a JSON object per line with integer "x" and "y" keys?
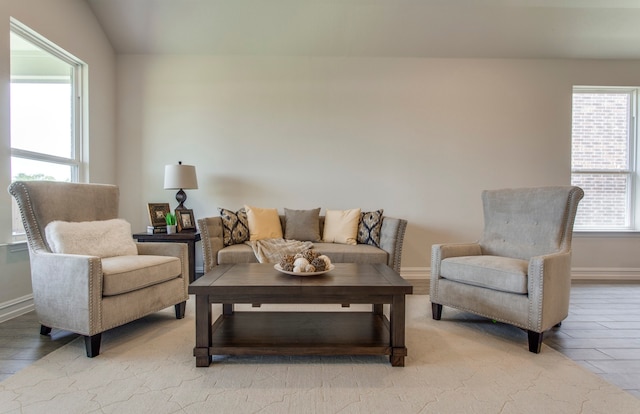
{"x": 379, "y": 238}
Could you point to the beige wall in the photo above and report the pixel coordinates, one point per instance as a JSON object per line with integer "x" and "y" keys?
{"x": 420, "y": 138}
{"x": 71, "y": 25}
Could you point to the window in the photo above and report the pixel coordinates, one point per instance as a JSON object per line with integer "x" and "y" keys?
{"x": 46, "y": 113}
{"x": 603, "y": 161}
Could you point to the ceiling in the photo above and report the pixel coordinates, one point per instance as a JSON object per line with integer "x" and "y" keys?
{"x": 599, "y": 29}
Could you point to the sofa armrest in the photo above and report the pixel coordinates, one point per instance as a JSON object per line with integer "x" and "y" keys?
{"x": 212, "y": 240}
{"x": 549, "y": 288}
{"x": 178, "y": 250}
{"x": 63, "y": 284}
{"x": 391, "y": 240}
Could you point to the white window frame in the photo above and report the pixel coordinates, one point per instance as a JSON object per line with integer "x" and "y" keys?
{"x": 79, "y": 68}
{"x": 632, "y": 220}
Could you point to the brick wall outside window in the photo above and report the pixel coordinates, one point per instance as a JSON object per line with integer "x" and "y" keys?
{"x": 600, "y": 159}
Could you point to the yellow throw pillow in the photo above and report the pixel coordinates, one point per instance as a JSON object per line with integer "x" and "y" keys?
{"x": 341, "y": 226}
{"x": 264, "y": 223}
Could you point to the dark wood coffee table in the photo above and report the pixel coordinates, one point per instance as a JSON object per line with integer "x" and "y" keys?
{"x": 264, "y": 332}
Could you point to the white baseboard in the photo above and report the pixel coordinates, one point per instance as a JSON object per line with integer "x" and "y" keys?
{"x": 415, "y": 272}
{"x": 605, "y": 273}
{"x": 16, "y": 307}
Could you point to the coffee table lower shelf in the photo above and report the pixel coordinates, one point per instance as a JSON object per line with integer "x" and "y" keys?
{"x": 301, "y": 333}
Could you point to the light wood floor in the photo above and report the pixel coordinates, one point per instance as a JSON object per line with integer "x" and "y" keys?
{"x": 602, "y": 333}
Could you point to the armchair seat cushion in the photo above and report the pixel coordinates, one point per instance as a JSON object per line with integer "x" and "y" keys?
{"x": 493, "y": 272}
{"x": 122, "y": 274}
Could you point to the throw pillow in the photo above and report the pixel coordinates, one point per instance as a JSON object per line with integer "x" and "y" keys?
{"x": 235, "y": 227}
{"x": 341, "y": 226}
{"x": 303, "y": 225}
{"x": 370, "y": 227}
{"x": 264, "y": 223}
{"x": 106, "y": 238}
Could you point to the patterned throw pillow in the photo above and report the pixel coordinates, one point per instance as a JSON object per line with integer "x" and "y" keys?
{"x": 370, "y": 227}
{"x": 235, "y": 226}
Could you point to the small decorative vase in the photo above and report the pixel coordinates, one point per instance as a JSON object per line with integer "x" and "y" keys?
{"x": 171, "y": 229}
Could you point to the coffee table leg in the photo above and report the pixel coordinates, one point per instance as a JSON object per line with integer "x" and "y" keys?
{"x": 378, "y": 309}
{"x": 203, "y": 331}
{"x": 398, "y": 348}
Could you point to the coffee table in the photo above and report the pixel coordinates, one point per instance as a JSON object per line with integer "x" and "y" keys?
{"x": 262, "y": 332}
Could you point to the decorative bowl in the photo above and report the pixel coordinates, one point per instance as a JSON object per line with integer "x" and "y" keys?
{"x": 279, "y": 269}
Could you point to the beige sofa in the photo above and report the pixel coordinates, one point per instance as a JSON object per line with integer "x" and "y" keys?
{"x": 390, "y": 250}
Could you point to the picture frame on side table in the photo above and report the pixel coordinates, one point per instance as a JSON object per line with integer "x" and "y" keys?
{"x": 157, "y": 213}
{"x": 185, "y": 219}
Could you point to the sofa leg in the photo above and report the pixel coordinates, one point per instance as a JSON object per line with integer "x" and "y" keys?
{"x": 436, "y": 311}
{"x": 44, "y": 330}
{"x": 92, "y": 345}
{"x": 180, "y": 309}
{"x": 535, "y": 341}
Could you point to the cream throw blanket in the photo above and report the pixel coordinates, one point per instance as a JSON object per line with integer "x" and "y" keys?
{"x": 272, "y": 250}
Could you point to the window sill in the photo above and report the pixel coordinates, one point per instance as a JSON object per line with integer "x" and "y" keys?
{"x": 606, "y": 233}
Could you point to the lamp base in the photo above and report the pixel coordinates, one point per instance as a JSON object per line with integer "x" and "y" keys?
{"x": 181, "y": 197}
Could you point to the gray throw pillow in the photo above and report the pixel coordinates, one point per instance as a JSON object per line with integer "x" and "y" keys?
{"x": 303, "y": 225}
{"x": 370, "y": 227}
{"x": 235, "y": 226}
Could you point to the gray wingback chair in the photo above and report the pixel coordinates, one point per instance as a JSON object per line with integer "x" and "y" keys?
{"x": 519, "y": 272}
{"x": 86, "y": 294}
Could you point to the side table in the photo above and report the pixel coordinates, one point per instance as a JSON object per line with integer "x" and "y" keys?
{"x": 188, "y": 237}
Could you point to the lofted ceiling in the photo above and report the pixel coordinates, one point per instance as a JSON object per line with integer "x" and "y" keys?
{"x": 598, "y": 29}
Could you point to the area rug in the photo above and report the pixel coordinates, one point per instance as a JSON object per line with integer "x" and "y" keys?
{"x": 454, "y": 366}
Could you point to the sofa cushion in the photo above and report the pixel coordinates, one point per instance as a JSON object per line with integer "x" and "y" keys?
{"x": 341, "y": 226}
{"x": 103, "y": 238}
{"x": 303, "y": 225}
{"x": 123, "y": 274}
{"x": 369, "y": 227}
{"x": 493, "y": 272}
{"x": 264, "y": 223}
{"x": 235, "y": 227}
{"x": 338, "y": 253}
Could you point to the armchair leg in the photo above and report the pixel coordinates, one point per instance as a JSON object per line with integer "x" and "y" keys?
{"x": 535, "y": 341}
{"x": 44, "y": 330}
{"x": 436, "y": 311}
{"x": 92, "y": 345}
{"x": 180, "y": 309}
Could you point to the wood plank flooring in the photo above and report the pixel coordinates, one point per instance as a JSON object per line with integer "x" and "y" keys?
{"x": 602, "y": 333}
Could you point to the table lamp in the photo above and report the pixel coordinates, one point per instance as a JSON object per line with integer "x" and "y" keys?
{"x": 180, "y": 177}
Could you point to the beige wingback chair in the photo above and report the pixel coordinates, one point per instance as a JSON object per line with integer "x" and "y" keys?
{"x": 520, "y": 270}
{"x": 86, "y": 294}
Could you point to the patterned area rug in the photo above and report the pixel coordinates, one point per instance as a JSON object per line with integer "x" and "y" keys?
{"x": 459, "y": 366}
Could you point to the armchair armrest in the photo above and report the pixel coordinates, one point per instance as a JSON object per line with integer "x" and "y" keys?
{"x": 64, "y": 284}
{"x": 212, "y": 240}
{"x": 178, "y": 250}
{"x": 439, "y": 252}
{"x": 549, "y": 287}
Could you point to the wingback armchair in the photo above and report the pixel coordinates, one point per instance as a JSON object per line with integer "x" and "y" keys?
{"x": 91, "y": 293}
{"x": 519, "y": 272}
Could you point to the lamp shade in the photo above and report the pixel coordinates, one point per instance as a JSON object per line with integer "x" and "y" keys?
{"x": 180, "y": 177}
